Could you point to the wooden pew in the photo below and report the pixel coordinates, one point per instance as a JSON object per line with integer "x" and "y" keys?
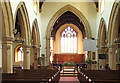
{"x": 81, "y": 78}
{"x": 100, "y": 76}
{"x": 32, "y": 76}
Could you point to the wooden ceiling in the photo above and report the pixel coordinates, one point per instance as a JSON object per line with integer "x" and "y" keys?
{"x": 68, "y": 18}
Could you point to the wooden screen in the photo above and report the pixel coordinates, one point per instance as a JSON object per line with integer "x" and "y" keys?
{"x": 61, "y": 58}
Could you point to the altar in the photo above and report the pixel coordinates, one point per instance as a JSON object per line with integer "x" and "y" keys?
{"x": 69, "y": 64}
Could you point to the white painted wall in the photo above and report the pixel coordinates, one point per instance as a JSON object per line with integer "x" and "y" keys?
{"x": 50, "y": 8}
{"x": 88, "y": 9}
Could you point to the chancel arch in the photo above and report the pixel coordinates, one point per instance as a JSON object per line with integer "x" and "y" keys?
{"x": 114, "y": 36}
{"x": 102, "y": 43}
{"x": 22, "y": 33}
{"x": 80, "y": 19}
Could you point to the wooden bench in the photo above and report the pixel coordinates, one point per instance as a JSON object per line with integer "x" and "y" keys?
{"x": 100, "y": 76}
{"x": 32, "y": 76}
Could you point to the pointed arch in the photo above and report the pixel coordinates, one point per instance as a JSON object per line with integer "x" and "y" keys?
{"x": 7, "y": 18}
{"x": 35, "y": 43}
{"x": 35, "y": 24}
{"x": 74, "y": 11}
{"x": 7, "y": 35}
{"x": 54, "y": 19}
{"x": 112, "y": 22}
{"x": 34, "y": 35}
{"x": 21, "y": 6}
{"x": 102, "y": 34}
{"x": 113, "y": 33}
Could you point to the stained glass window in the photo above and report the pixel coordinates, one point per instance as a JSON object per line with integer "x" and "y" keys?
{"x": 69, "y": 41}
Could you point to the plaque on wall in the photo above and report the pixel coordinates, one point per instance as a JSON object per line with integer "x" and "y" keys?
{"x": 102, "y": 56}
{"x": 93, "y": 55}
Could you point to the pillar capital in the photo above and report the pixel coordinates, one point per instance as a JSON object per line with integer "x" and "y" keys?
{"x": 112, "y": 46}
{"x": 26, "y": 46}
{"x": 26, "y": 63}
{"x": 7, "y": 40}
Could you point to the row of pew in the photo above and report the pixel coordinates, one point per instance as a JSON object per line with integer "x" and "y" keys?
{"x": 99, "y": 76}
{"x": 32, "y": 76}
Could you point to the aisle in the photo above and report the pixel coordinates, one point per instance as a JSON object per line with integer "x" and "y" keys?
{"x": 68, "y": 76}
{"x": 68, "y": 80}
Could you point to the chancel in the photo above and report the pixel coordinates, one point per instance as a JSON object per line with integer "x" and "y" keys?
{"x": 58, "y": 41}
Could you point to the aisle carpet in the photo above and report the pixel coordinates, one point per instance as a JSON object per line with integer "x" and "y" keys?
{"x": 68, "y": 80}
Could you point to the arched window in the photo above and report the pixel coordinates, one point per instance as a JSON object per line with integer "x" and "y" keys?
{"x": 69, "y": 41}
{"x": 18, "y": 54}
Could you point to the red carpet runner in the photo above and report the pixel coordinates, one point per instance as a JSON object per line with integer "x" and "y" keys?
{"x": 68, "y": 80}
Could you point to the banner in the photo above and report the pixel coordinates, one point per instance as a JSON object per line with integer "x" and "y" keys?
{"x": 89, "y": 45}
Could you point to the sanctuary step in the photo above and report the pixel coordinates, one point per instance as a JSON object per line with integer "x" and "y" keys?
{"x": 68, "y": 72}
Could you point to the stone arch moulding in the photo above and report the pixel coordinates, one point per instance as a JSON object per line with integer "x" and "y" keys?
{"x": 102, "y": 28}
{"x": 35, "y": 25}
{"x": 74, "y": 11}
{"x": 34, "y": 33}
{"x": 57, "y": 15}
{"x": 111, "y": 34}
{"x": 112, "y": 20}
{"x": 8, "y": 18}
{"x": 26, "y": 21}
{"x": 7, "y": 36}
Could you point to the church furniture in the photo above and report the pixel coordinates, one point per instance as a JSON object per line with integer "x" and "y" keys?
{"x": 100, "y": 76}
{"x": 61, "y": 58}
{"x": 32, "y": 76}
{"x": 15, "y": 68}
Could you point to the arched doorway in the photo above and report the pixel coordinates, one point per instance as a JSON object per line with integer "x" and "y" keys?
{"x": 7, "y": 36}
{"x": 22, "y": 33}
{"x": 55, "y": 19}
{"x": 35, "y": 50}
{"x": 102, "y": 43}
{"x": 114, "y": 36}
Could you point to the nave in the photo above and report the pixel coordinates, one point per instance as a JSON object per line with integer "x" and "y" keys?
{"x": 35, "y": 34}
{"x": 65, "y": 75}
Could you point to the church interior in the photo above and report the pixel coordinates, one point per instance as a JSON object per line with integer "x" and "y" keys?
{"x": 59, "y": 41}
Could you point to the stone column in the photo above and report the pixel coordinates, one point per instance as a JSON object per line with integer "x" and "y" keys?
{"x": 48, "y": 52}
{"x": 112, "y": 57}
{"x": 35, "y": 58}
{"x": 26, "y": 62}
{"x": 7, "y": 55}
{"x": 38, "y": 53}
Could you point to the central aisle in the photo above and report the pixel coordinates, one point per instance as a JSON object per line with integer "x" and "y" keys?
{"x": 68, "y": 76}
{"x": 68, "y": 80}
